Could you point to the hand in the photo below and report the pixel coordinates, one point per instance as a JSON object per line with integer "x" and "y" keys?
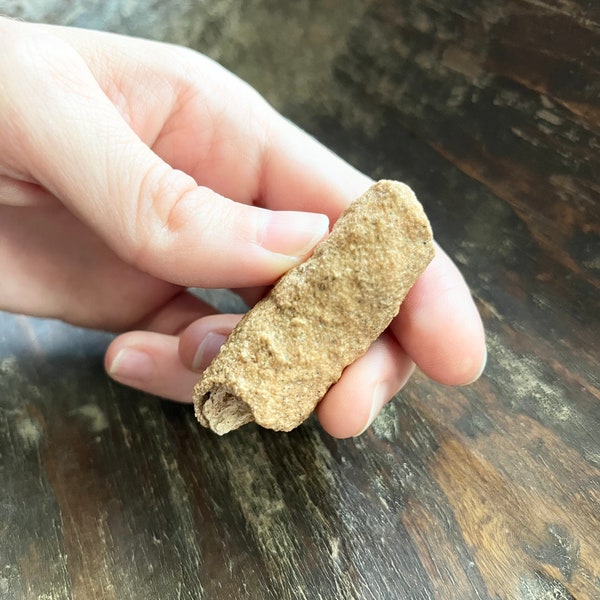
{"x": 131, "y": 170}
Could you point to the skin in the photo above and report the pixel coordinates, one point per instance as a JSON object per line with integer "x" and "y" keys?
{"x": 132, "y": 170}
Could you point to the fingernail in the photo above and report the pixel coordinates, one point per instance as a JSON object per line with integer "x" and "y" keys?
{"x": 378, "y": 400}
{"x": 132, "y": 365}
{"x": 209, "y": 347}
{"x": 293, "y": 233}
{"x": 481, "y": 369}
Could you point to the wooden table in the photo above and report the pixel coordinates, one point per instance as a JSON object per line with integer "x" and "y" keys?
{"x": 491, "y": 112}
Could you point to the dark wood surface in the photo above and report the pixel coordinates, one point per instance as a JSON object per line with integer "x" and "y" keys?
{"x": 490, "y": 110}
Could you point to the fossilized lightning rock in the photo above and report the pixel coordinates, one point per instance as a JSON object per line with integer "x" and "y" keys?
{"x": 321, "y": 316}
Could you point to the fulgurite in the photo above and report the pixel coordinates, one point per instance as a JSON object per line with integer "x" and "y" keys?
{"x": 321, "y": 316}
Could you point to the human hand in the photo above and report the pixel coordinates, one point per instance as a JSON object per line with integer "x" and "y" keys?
{"x": 131, "y": 170}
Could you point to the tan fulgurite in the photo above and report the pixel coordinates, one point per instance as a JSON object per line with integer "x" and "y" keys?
{"x": 321, "y": 316}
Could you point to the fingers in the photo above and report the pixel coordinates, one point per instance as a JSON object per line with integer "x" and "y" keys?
{"x": 150, "y": 362}
{"x": 166, "y": 365}
{"x": 169, "y": 367}
{"x": 352, "y": 404}
{"x": 201, "y": 341}
{"x": 155, "y": 217}
{"x": 439, "y": 325}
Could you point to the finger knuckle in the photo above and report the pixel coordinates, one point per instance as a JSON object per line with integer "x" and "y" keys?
{"x": 161, "y": 210}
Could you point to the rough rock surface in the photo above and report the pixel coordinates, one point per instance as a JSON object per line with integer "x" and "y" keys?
{"x": 321, "y": 316}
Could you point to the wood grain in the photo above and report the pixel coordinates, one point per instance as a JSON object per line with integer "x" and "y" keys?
{"x": 490, "y": 112}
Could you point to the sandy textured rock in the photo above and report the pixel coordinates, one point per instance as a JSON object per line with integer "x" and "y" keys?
{"x": 321, "y": 316}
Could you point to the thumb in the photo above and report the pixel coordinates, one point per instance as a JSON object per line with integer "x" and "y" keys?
{"x": 70, "y": 138}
